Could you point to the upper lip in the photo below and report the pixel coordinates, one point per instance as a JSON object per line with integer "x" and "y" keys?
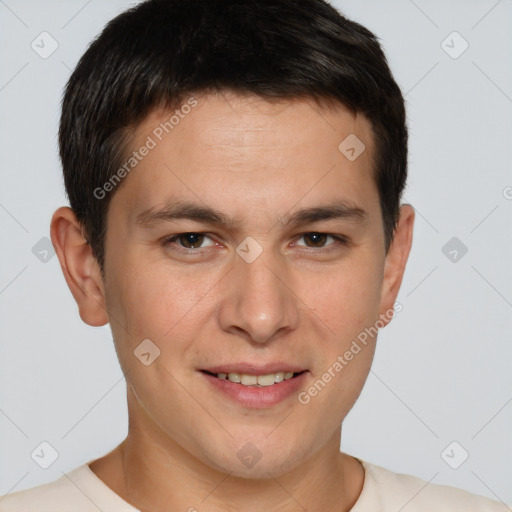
{"x": 252, "y": 369}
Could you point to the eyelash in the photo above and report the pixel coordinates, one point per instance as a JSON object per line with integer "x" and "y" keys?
{"x": 339, "y": 239}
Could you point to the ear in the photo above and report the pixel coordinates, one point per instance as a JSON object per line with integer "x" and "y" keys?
{"x": 79, "y": 266}
{"x": 395, "y": 262}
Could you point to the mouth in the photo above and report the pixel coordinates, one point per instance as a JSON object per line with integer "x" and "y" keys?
{"x": 256, "y": 387}
{"x": 254, "y": 380}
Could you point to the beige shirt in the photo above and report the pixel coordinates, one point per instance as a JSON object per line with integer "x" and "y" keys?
{"x": 80, "y": 490}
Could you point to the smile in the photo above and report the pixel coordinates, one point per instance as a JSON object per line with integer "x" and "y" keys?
{"x": 260, "y": 390}
{"x": 255, "y": 380}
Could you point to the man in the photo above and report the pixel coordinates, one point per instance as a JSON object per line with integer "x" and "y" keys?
{"x": 234, "y": 170}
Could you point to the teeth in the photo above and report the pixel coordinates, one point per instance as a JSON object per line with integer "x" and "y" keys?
{"x": 266, "y": 380}
{"x": 248, "y": 380}
{"x": 256, "y": 380}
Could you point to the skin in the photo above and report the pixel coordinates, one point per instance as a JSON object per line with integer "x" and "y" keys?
{"x": 257, "y": 162}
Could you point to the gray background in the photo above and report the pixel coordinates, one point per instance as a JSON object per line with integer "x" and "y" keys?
{"x": 442, "y": 369}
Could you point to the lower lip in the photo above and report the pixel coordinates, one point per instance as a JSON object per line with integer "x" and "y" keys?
{"x": 255, "y": 397}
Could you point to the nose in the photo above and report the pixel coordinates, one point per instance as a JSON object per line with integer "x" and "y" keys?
{"x": 258, "y": 303}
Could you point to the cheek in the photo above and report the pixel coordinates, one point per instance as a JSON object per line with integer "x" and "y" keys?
{"x": 346, "y": 297}
{"x": 151, "y": 299}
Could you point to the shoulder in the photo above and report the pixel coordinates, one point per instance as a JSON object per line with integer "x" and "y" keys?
{"x": 62, "y": 495}
{"x": 394, "y": 491}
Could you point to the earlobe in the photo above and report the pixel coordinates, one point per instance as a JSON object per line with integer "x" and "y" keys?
{"x": 396, "y": 260}
{"x": 79, "y": 266}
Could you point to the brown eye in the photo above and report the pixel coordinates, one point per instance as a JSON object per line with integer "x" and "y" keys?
{"x": 188, "y": 242}
{"x": 317, "y": 239}
{"x": 191, "y": 240}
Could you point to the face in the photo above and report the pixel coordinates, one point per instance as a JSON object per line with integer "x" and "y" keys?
{"x": 208, "y": 257}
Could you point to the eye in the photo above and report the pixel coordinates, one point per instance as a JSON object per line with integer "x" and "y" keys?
{"x": 318, "y": 240}
{"x": 188, "y": 241}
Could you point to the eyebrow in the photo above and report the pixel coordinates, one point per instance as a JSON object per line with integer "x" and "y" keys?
{"x": 341, "y": 209}
{"x": 174, "y": 210}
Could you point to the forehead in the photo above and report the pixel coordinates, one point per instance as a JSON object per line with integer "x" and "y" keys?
{"x": 235, "y": 152}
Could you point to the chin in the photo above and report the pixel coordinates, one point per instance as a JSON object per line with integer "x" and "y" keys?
{"x": 254, "y": 460}
{"x": 262, "y": 470}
